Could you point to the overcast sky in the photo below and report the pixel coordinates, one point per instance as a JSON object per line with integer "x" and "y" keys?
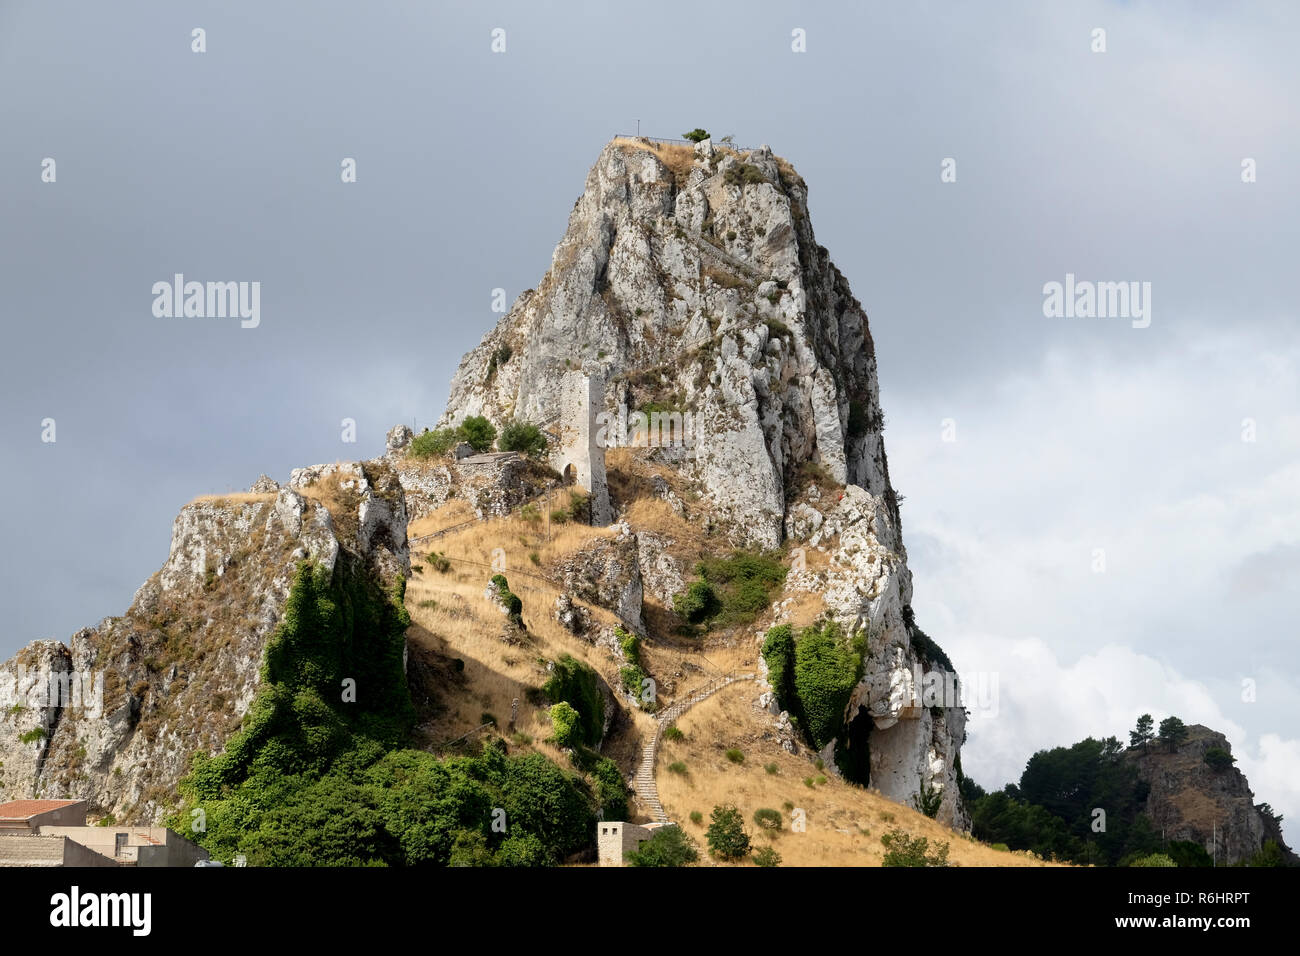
{"x": 1072, "y": 434}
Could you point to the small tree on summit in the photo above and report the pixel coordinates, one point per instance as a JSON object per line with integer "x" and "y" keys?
{"x": 696, "y": 135}
{"x": 1143, "y": 733}
{"x": 1172, "y": 733}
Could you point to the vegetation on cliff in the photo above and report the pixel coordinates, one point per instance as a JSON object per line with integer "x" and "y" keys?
{"x": 318, "y": 776}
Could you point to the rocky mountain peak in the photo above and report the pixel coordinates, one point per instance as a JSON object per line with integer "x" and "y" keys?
{"x": 689, "y": 292}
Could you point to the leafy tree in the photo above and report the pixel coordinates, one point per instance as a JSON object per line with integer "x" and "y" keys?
{"x": 1219, "y": 759}
{"x": 1143, "y": 733}
{"x": 726, "y": 834}
{"x": 1188, "y": 853}
{"x": 1270, "y": 854}
{"x": 477, "y": 432}
{"x": 904, "y": 850}
{"x": 696, "y": 135}
{"x": 523, "y": 437}
{"x": 1051, "y": 811}
{"x": 1172, "y": 733}
{"x": 668, "y": 846}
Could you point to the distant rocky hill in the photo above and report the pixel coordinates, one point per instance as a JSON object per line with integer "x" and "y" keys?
{"x": 1191, "y": 800}
{"x": 135, "y": 696}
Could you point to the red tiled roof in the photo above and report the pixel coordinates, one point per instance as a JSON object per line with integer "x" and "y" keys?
{"x": 26, "y": 809}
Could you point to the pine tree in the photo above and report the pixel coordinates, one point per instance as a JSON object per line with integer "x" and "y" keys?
{"x": 1142, "y": 734}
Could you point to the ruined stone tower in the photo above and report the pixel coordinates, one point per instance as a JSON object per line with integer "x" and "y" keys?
{"x": 578, "y": 455}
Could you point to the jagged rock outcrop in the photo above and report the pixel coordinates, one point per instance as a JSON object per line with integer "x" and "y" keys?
{"x": 608, "y": 574}
{"x": 689, "y": 282}
{"x": 178, "y": 670}
{"x": 1190, "y": 800}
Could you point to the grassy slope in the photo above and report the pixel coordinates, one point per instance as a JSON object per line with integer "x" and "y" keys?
{"x": 466, "y": 625}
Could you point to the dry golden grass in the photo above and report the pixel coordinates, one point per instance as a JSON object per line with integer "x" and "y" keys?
{"x": 452, "y": 513}
{"x": 844, "y": 822}
{"x": 500, "y": 663}
{"x": 235, "y": 498}
{"x": 678, "y": 157}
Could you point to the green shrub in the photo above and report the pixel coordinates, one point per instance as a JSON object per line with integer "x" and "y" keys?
{"x": 611, "y": 790}
{"x": 579, "y": 507}
{"x": 678, "y": 768}
{"x": 513, "y": 605}
{"x": 477, "y": 432}
{"x": 559, "y": 516}
{"x": 672, "y": 733}
{"x": 697, "y": 818}
{"x": 630, "y": 645}
{"x": 1000, "y": 847}
{"x": 743, "y": 174}
{"x": 696, "y": 135}
{"x": 487, "y": 718}
{"x": 432, "y": 444}
{"x": 778, "y": 652}
{"x": 928, "y": 800}
{"x": 767, "y": 818}
{"x": 524, "y": 438}
{"x": 1219, "y": 759}
{"x": 668, "y": 846}
{"x": 311, "y": 781}
{"x": 438, "y": 561}
{"x": 633, "y": 678}
{"x": 744, "y": 583}
{"x": 565, "y": 723}
{"x": 904, "y": 850}
{"x": 1153, "y": 859}
{"x": 576, "y": 683}
{"x": 735, "y": 755}
{"x": 827, "y": 667}
{"x": 698, "y": 603}
{"x": 771, "y": 768}
{"x": 766, "y": 856}
{"x": 726, "y": 834}
{"x": 33, "y": 735}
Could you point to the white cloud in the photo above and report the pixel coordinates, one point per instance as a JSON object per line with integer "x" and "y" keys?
{"x": 1143, "y": 459}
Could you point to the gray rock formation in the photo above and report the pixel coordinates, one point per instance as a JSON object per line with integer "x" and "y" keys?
{"x": 690, "y": 282}
{"x": 1189, "y": 800}
{"x": 135, "y": 696}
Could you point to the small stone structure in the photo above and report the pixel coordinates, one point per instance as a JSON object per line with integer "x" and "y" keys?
{"x": 615, "y": 838}
{"x": 579, "y": 456}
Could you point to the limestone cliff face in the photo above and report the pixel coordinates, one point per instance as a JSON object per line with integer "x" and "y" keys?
{"x": 1189, "y": 800}
{"x": 690, "y": 281}
{"x": 135, "y": 696}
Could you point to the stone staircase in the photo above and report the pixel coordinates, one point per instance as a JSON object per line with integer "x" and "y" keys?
{"x": 644, "y": 781}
